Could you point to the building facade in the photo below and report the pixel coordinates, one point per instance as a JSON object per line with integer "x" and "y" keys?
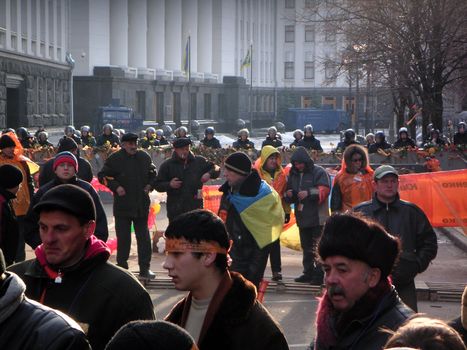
{"x": 136, "y": 53}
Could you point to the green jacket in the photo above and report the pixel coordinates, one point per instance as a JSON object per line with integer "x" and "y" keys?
{"x": 133, "y": 173}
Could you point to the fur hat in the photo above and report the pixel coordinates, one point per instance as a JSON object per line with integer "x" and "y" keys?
{"x": 6, "y": 141}
{"x": 67, "y": 144}
{"x": 70, "y": 198}
{"x": 65, "y": 157}
{"x": 181, "y": 142}
{"x": 359, "y": 238}
{"x": 151, "y": 335}
{"x": 10, "y": 176}
{"x": 238, "y": 162}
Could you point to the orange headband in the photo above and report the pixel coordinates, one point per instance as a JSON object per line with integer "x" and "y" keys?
{"x": 180, "y": 245}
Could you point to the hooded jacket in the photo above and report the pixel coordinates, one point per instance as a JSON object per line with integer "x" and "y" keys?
{"x": 235, "y": 319}
{"x": 185, "y": 198}
{"x": 278, "y": 179}
{"x": 28, "y": 325}
{"x": 100, "y": 296}
{"x": 312, "y": 179}
{"x": 9, "y": 230}
{"x": 31, "y": 226}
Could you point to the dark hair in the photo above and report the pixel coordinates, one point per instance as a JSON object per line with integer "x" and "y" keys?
{"x": 355, "y": 149}
{"x": 425, "y": 333}
{"x": 201, "y": 225}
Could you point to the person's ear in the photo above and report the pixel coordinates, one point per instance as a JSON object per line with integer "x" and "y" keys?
{"x": 91, "y": 227}
{"x": 209, "y": 259}
{"x": 374, "y": 276}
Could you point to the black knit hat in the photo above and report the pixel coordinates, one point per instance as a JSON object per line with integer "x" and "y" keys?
{"x": 151, "y": 335}
{"x": 71, "y": 198}
{"x": 238, "y": 162}
{"x": 358, "y": 238}
{"x": 6, "y": 141}
{"x": 10, "y": 176}
{"x": 129, "y": 137}
{"x": 67, "y": 144}
{"x": 181, "y": 142}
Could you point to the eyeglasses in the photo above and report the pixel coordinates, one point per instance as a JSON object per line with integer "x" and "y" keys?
{"x": 355, "y": 160}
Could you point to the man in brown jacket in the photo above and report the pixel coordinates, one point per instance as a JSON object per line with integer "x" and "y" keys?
{"x": 221, "y": 310}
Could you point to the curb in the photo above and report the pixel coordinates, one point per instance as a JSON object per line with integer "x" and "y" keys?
{"x": 456, "y": 236}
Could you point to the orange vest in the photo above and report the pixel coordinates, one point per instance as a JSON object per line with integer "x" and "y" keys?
{"x": 355, "y": 188}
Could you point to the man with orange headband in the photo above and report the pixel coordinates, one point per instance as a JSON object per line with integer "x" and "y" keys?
{"x": 221, "y": 310}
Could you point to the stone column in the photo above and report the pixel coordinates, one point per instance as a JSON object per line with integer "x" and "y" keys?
{"x": 190, "y": 28}
{"x": 137, "y": 33}
{"x": 29, "y": 28}
{"x": 119, "y": 32}
{"x": 46, "y": 29}
{"x": 156, "y": 34}
{"x": 63, "y": 26}
{"x": 173, "y": 34}
{"x": 19, "y": 33}
{"x": 8, "y": 24}
{"x": 55, "y": 28}
{"x": 38, "y": 28}
{"x": 205, "y": 36}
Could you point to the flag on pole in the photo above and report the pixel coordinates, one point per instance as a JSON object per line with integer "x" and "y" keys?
{"x": 246, "y": 61}
{"x": 186, "y": 56}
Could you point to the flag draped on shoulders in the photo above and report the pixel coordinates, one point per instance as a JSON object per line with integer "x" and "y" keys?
{"x": 262, "y": 214}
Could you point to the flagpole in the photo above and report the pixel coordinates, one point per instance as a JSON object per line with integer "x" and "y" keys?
{"x": 251, "y": 87}
{"x": 189, "y": 83}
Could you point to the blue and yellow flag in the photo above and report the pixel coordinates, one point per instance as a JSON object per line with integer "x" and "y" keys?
{"x": 247, "y": 60}
{"x": 262, "y": 214}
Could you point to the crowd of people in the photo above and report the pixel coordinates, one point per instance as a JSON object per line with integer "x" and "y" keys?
{"x": 360, "y": 241}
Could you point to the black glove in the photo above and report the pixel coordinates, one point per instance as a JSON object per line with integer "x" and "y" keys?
{"x": 287, "y": 218}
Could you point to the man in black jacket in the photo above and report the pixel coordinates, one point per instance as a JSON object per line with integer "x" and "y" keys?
{"x": 10, "y": 179}
{"x": 221, "y": 310}
{"x": 309, "y": 141}
{"x": 47, "y": 174}
{"x": 26, "y": 324}
{"x": 71, "y": 271}
{"x": 182, "y": 176}
{"x": 357, "y": 255}
{"x": 308, "y": 189}
{"x": 406, "y": 221}
{"x": 130, "y": 174}
{"x": 209, "y": 139}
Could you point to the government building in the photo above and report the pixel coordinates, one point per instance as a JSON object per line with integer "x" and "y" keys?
{"x": 171, "y": 61}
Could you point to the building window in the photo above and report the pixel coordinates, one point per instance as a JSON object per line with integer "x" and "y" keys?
{"x": 330, "y": 34}
{"x": 207, "y": 106}
{"x": 289, "y": 4}
{"x": 330, "y": 70}
{"x": 329, "y": 101}
{"x": 310, "y": 4}
{"x": 309, "y": 70}
{"x": 289, "y": 33}
{"x": 289, "y": 70}
{"x": 160, "y": 107}
{"x": 309, "y": 34}
{"x": 141, "y": 103}
{"x": 193, "y": 106}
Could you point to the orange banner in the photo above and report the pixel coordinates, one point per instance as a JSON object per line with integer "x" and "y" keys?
{"x": 441, "y": 195}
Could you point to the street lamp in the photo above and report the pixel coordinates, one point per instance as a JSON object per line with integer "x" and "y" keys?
{"x": 71, "y": 62}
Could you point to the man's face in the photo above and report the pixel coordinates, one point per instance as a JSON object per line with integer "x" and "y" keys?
{"x": 403, "y": 136}
{"x": 243, "y": 136}
{"x": 308, "y": 133}
{"x": 233, "y": 178}
{"x": 130, "y": 147}
{"x": 209, "y": 136}
{"x": 65, "y": 171}
{"x": 9, "y": 152}
{"x": 347, "y": 280}
{"x": 182, "y": 152}
{"x": 387, "y": 188}
{"x": 63, "y": 237}
{"x": 299, "y": 166}
{"x": 271, "y": 162}
{"x": 185, "y": 270}
{"x": 356, "y": 162}
{"x": 107, "y": 131}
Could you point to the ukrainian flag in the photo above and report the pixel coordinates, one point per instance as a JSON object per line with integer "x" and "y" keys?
{"x": 262, "y": 214}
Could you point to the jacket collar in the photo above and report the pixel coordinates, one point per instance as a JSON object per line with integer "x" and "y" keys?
{"x": 376, "y": 204}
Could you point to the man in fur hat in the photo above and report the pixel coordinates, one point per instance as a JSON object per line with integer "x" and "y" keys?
{"x": 357, "y": 255}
